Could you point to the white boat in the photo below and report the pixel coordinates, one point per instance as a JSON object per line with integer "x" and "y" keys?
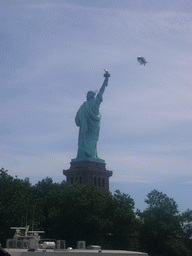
{"x": 27, "y": 243}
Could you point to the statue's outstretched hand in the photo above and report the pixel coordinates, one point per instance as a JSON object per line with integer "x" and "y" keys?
{"x": 106, "y": 73}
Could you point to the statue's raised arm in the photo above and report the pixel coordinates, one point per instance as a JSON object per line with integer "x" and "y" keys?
{"x": 88, "y": 120}
{"x": 105, "y": 83}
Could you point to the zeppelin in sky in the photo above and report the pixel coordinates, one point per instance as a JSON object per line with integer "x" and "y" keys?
{"x": 141, "y": 60}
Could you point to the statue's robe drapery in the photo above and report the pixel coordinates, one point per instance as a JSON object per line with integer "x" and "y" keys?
{"x": 88, "y": 120}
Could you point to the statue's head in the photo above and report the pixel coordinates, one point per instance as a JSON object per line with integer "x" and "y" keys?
{"x": 90, "y": 95}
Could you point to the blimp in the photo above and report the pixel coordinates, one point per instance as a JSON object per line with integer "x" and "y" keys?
{"x": 141, "y": 60}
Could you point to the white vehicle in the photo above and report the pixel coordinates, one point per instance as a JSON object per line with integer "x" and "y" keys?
{"x": 27, "y": 243}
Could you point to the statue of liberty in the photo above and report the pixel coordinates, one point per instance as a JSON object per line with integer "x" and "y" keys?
{"x": 88, "y": 120}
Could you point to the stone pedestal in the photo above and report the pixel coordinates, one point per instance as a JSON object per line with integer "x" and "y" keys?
{"x": 89, "y": 172}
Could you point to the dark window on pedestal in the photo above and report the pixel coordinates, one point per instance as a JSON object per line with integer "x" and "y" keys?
{"x": 80, "y": 179}
{"x": 95, "y": 181}
{"x": 103, "y": 182}
{"x": 99, "y": 182}
{"x": 71, "y": 180}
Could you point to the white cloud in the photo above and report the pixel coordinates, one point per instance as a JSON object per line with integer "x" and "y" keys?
{"x": 142, "y": 168}
{"x": 38, "y": 166}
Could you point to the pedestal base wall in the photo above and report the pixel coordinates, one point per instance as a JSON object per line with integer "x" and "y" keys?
{"x": 89, "y": 172}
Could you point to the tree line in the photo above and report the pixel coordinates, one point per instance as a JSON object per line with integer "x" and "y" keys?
{"x": 78, "y": 212}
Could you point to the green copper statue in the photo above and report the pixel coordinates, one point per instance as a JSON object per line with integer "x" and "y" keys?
{"x": 88, "y": 120}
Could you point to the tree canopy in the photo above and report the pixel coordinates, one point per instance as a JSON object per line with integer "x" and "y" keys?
{"x": 161, "y": 231}
{"x": 76, "y": 212}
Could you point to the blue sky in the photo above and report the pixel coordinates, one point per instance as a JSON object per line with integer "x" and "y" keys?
{"x": 53, "y": 52}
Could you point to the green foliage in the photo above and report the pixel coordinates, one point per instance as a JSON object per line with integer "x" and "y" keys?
{"x": 122, "y": 221}
{"x": 124, "y": 200}
{"x": 16, "y": 197}
{"x": 160, "y": 227}
{"x": 186, "y": 220}
{"x": 65, "y": 211}
{"x": 79, "y": 212}
{"x": 161, "y": 202}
